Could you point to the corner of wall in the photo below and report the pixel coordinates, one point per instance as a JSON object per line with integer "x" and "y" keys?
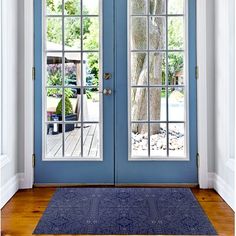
{"x": 8, "y": 190}
{"x": 222, "y": 188}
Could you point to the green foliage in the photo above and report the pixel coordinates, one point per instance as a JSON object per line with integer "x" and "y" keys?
{"x": 54, "y": 32}
{"x": 93, "y": 65}
{"x": 72, "y": 25}
{"x": 73, "y": 35}
{"x": 54, "y": 7}
{"x": 176, "y": 64}
{"x": 54, "y": 79}
{"x": 89, "y": 94}
{"x": 57, "y": 92}
{"x": 72, "y": 7}
{"x": 176, "y": 41}
{"x": 68, "y": 107}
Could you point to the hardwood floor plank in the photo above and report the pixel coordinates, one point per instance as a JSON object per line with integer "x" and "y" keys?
{"x": 22, "y": 213}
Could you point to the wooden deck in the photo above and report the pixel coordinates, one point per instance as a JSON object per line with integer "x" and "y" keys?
{"x": 73, "y": 143}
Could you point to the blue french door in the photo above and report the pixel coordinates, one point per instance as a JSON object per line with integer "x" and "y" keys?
{"x": 156, "y": 93}
{"x": 74, "y": 121}
{"x": 115, "y": 92}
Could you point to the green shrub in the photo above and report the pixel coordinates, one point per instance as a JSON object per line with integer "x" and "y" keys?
{"x": 68, "y": 107}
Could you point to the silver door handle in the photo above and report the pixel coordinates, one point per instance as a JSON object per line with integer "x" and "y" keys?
{"x": 106, "y": 91}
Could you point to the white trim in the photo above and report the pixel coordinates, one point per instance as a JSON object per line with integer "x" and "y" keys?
{"x": 202, "y": 92}
{"x": 1, "y": 78}
{"x": 4, "y": 129}
{"x": 28, "y": 93}
{"x": 8, "y": 190}
{"x": 222, "y": 188}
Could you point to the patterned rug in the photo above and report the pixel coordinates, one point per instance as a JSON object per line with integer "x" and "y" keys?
{"x": 106, "y": 211}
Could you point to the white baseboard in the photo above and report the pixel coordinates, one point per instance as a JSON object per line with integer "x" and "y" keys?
{"x": 222, "y": 188}
{"x": 8, "y": 190}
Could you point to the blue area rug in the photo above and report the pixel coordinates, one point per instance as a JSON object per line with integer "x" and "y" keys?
{"x": 106, "y": 211}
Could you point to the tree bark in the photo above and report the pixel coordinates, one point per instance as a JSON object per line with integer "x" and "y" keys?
{"x": 139, "y": 64}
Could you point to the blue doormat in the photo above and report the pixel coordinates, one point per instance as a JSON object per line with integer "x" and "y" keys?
{"x": 124, "y": 211}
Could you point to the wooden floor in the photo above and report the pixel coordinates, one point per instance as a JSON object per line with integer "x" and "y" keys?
{"x": 21, "y": 214}
{"x": 73, "y": 142}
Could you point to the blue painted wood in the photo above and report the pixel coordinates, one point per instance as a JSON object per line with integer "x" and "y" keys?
{"x": 150, "y": 171}
{"x": 115, "y": 167}
{"x": 72, "y": 171}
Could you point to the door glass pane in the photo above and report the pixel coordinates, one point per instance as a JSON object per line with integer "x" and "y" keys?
{"x": 73, "y": 69}
{"x": 91, "y": 41}
{"x": 176, "y": 73}
{"x": 176, "y": 6}
{"x": 157, "y": 7}
{"x": 176, "y": 33}
{"x": 158, "y": 140}
{"x": 157, "y": 78}
{"x": 72, "y": 33}
{"x": 72, "y": 7}
{"x": 157, "y": 98}
{"x": 54, "y": 7}
{"x": 176, "y": 106}
{"x": 139, "y": 140}
{"x": 54, "y": 140}
{"x": 139, "y": 31}
{"x": 91, "y": 140}
{"x": 139, "y": 75}
{"x": 138, "y": 7}
{"x": 157, "y": 68}
{"x": 72, "y": 79}
{"x": 90, "y": 7}
{"x": 54, "y": 69}
{"x": 176, "y": 140}
{"x": 54, "y": 104}
{"x": 72, "y": 140}
{"x": 54, "y": 33}
{"x": 139, "y": 98}
{"x": 157, "y": 32}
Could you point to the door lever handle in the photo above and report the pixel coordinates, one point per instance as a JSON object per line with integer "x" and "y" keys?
{"x": 106, "y": 91}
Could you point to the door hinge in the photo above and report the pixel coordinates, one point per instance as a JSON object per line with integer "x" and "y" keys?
{"x": 33, "y": 73}
{"x": 198, "y": 160}
{"x": 33, "y": 160}
{"x": 197, "y": 72}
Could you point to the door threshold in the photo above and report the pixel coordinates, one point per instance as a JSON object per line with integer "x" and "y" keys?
{"x": 108, "y": 185}
{"x": 157, "y": 185}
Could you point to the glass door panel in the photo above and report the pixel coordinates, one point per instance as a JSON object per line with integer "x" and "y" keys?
{"x": 156, "y": 79}
{"x": 73, "y": 66}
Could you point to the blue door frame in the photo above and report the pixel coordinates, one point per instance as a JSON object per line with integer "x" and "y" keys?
{"x": 115, "y": 167}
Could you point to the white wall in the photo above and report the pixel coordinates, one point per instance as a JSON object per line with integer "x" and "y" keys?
{"x": 224, "y": 166}
{"x": 12, "y": 97}
{"x": 205, "y": 89}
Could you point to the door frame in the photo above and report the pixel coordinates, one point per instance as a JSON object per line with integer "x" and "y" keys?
{"x": 203, "y": 128}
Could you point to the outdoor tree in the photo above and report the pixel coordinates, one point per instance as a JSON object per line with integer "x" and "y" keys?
{"x": 139, "y": 63}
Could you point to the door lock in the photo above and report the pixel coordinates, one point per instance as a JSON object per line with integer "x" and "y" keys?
{"x": 107, "y": 91}
{"x": 107, "y": 76}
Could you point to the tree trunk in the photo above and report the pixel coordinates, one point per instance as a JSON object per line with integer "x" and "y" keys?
{"x": 139, "y": 64}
